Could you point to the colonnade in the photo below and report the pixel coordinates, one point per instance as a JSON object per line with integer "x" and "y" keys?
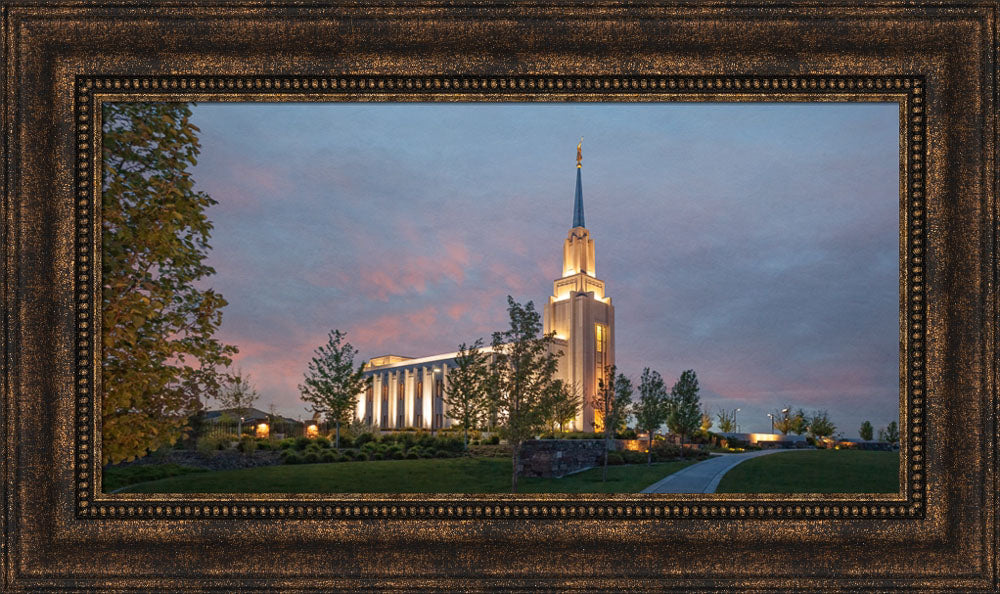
{"x": 406, "y": 397}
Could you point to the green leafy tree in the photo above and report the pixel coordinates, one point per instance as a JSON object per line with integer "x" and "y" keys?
{"x": 565, "y": 405}
{"x": 820, "y": 425}
{"x": 652, "y": 408}
{"x": 706, "y": 421}
{"x": 685, "y": 410}
{"x": 238, "y": 394}
{"x": 332, "y": 383}
{"x": 465, "y": 394}
{"x": 161, "y": 359}
{"x": 727, "y": 421}
{"x": 866, "y": 431}
{"x": 522, "y": 381}
{"x": 611, "y": 407}
{"x": 800, "y": 423}
{"x": 784, "y": 420}
{"x": 890, "y": 433}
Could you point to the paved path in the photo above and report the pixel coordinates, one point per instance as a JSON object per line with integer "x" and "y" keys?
{"x": 704, "y": 477}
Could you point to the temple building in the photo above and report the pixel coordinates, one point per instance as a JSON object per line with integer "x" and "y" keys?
{"x": 408, "y": 392}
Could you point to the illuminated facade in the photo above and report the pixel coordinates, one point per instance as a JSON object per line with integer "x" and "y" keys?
{"x": 407, "y": 392}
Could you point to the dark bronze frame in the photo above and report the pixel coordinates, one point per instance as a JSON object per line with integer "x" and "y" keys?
{"x": 62, "y": 60}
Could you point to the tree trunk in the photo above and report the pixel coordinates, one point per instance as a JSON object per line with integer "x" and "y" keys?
{"x": 683, "y": 455}
{"x": 649, "y": 449}
{"x": 516, "y": 458}
{"x": 336, "y": 443}
{"x": 465, "y": 445}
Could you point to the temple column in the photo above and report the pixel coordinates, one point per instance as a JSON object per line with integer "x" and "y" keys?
{"x": 393, "y": 398}
{"x": 428, "y": 403}
{"x": 408, "y": 398}
{"x": 446, "y": 419}
{"x": 377, "y": 401}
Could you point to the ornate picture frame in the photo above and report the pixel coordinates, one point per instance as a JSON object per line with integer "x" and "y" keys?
{"x": 62, "y": 61}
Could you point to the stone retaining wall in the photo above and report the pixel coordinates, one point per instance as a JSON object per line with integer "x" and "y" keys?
{"x": 559, "y": 457}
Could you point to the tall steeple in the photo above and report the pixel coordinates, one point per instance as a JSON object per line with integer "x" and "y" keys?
{"x": 580, "y": 314}
{"x": 578, "y": 203}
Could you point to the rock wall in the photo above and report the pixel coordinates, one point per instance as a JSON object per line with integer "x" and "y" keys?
{"x": 559, "y": 457}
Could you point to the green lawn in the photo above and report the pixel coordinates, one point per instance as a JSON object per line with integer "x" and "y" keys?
{"x": 435, "y": 475}
{"x": 815, "y": 471}
{"x": 115, "y": 477}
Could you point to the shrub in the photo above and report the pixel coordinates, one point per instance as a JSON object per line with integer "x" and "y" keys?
{"x": 210, "y": 444}
{"x": 378, "y": 456}
{"x": 369, "y": 447}
{"x": 302, "y": 442}
{"x": 247, "y": 445}
{"x": 411, "y": 455}
{"x": 291, "y": 457}
{"x": 581, "y": 435}
{"x": 286, "y": 443}
{"x": 363, "y": 439}
{"x": 663, "y": 451}
{"x": 360, "y": 456}
{"x": 626, "y": 434}
{"x": 632, "y": 457}
{"x": 452, "y": 444}
{"x": 311, "y": 457}
{"x": 491, "y": 451}
{"x": 345, "y": 441}
{"x": 394, "y": 452}
{"x": 322, "y": 442}
{"x": 264, "y": 444}
{"x": 443, "y": 454}
{"x": 329, "y": 456}
{"x": 615, "y": 459}
{"x": 494, "y": 440}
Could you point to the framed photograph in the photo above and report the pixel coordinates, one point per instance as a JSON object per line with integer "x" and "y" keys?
{"x": 308, "y": 297}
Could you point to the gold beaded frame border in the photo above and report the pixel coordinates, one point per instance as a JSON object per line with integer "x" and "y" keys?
{"x": 91, "y": 91}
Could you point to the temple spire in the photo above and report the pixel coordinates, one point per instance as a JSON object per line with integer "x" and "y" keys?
{"x": 578, "y": 204}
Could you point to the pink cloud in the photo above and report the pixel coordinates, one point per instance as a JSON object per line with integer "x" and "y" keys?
{"x": 397, "y": 330}
{"x": 406, "y": 273}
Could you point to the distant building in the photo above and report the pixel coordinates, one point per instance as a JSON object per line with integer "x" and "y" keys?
{"x": 767, "y": 439}
{"x": 250, "y": 415}
{"x": 407, "y": 392}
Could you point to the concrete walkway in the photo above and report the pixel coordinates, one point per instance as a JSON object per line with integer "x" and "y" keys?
{"x": 704, "y": 477}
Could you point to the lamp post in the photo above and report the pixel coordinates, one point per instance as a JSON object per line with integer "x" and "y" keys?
{"x": 734, "y": 420}
{"x": 771, "y": 416}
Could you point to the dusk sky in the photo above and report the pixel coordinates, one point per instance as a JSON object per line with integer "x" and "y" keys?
{"x": 754, "y": 243}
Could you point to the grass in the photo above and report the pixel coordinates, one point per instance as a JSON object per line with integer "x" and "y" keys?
{"x": 115, "y": 477}
{"x": 449, "y": 475}
{"x": 815, "y": 471}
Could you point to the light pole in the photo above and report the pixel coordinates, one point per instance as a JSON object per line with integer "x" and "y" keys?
{"x": 771, "y": 416}
{"x": 734, "y": 420}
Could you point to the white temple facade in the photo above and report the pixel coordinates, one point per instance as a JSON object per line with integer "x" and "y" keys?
{"x": 408, "y": 392}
